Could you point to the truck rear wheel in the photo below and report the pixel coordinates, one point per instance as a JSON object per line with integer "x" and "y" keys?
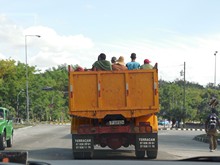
{"x": 10, "y": 141}
{"x": 140, "y": 154}
{"x": 152, "y": 154}
{"x": 82, "y": 155}
{"x": 88, "y": 155}
{"x": 78, "y": 155}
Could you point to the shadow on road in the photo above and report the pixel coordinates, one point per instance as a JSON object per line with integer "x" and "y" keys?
{"x": 68, "y": 136}
{"x": 66, "y": 154}
{"x": 50, "y": 154}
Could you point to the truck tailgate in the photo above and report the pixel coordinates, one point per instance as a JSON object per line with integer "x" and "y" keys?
{"x": 93, "y": 94}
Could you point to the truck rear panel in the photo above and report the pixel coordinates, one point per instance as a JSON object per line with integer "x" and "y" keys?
{"x": 93, "y": 94}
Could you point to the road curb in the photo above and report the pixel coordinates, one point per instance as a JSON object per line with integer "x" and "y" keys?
{"x": 204, "y": 139}
{"x": 182, "y": 129}
{"x": 24, "y": 128}
{"x": 201, "y": 139}
{"x": 54, "y": 123}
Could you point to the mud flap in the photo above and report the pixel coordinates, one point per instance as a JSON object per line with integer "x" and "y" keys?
{"x": 82, "y": 143}
{"x": 146, "y": 142}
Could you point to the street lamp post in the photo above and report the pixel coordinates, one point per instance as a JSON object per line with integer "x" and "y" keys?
{"x": 215, "y": 68}
{"x": 18, "y": 102}
{"x": 27, "y": 95}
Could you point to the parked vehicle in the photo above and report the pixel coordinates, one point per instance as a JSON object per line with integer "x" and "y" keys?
{"x": 6, "y": 129}
{"x": 163, "y": 122}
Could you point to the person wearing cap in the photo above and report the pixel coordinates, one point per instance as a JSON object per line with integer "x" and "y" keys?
{"x": 120, "y": 64}
{"x": 133, "y": 64}
{"x": 146, "y": 65}
{"x": 102, "y": 63}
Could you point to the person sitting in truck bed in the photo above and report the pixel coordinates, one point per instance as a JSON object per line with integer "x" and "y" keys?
{"x": 133, "y": 64}
{"x": 120, "y": 64}
{"x": 146, "y": 65}
{"x": 113, "y": 60}
{"x": 102, "y": 63}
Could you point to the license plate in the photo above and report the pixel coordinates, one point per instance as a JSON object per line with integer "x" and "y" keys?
{"x": 117, "y": 122}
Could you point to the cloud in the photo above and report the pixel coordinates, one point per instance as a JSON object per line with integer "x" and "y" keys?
{"x": 53, "y": 49}
{"x": 2, "y": 56}
{"x": 50, "y": 50}
{"x": 89, "y": 6}
{"x": 59, "y": 42}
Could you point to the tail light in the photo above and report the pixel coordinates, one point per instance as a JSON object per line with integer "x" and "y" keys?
{"x": 145, "y": 127}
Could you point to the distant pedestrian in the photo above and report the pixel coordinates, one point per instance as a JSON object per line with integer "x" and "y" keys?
{"x": 133, "y": 64}
{"x": 211, "y": 125}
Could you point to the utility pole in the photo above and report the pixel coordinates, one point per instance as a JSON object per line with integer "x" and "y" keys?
{"x": 27, "y": 93}
{"x": 183, "y": 73}
{"x": 215, "y": 68}
{"x": 184, "y": 88}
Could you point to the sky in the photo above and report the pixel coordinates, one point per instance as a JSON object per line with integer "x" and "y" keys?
{"x": 167, "y": 32}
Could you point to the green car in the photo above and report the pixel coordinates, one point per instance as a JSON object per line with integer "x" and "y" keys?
{"x": 6, "y": 129}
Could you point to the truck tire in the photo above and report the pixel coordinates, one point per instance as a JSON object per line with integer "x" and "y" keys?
{"x": 10, "y": 141}
{"x": 82, "y": 155}
{"x": 88, "y": 155}
{"x": 140, "y": 154}
{"x": 152, "y": 154}
{"x": 3, "y": 142}
{"x": 78, "y": 155}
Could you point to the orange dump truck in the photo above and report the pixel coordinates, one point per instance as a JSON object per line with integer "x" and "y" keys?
{"x": 114, "y": 109}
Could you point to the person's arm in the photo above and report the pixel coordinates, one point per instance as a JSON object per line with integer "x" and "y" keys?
{"x": 206, "y": 124}
{"x": 110, "y": 66}
{"x": 218, "y": 122}
{"x": 94, "y": 68}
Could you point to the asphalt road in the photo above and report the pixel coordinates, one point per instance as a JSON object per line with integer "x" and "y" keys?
{"x": 181, "y": 144}
{"x": 53, "y": 142}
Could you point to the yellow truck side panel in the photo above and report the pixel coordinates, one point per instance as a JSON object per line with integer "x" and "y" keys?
{"x": 130, "y": 93}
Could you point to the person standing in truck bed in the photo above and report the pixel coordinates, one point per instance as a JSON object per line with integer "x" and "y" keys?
{"x": 133, "y": 64}
{"x": 102, "y": 63}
